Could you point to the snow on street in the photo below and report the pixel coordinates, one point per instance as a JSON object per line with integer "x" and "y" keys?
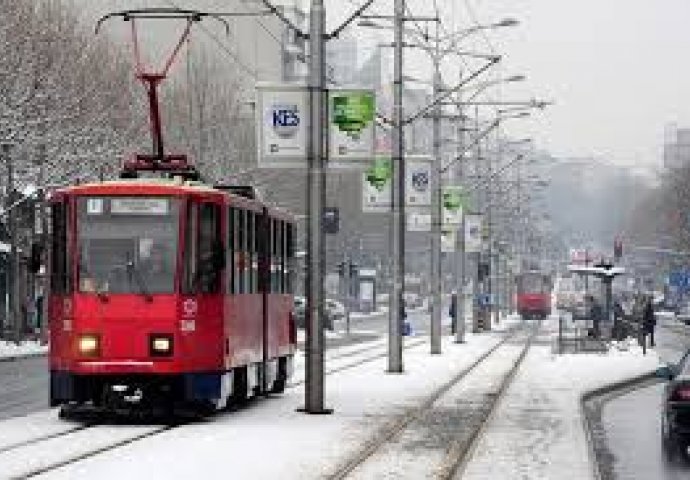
{"x": 269, "y": 439}
{"x": 538, "y": 431}
{"x": 26, "y": 348}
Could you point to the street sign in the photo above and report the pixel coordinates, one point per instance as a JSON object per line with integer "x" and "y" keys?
{"x": 453, "y": 205}
{"x": 351, "y": 126}
{"x": 448, "y": 239}
{"x": 418, "y": 181}
{"x": 282, "y": 114}
{"x": 679, "y": 279}
{"x": 473, "y": 233}
{"x": 377, "y": 185}
{"x": 418, "y": 222}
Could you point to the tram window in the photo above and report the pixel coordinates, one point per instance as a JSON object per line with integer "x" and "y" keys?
{"x": 273, "y": 256}
{"x": 280, "y": 254}
{"x": 230, "y": 272}
{"x": 60, "y": 272}
{"x": 209, "y": 258}
{"x": 289, "y": 256}
{"x": 241, "y": 251}
{"x": 190, "y": 251}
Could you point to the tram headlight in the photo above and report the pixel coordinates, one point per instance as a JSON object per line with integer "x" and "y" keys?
{"x": 161, "y": 345}
{"x": 89, "y": 345}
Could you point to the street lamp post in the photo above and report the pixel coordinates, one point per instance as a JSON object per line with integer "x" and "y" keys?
{"x": 396, "y": 305}
{"x": 436, "y": 209}
{"x": 314, "y": 391}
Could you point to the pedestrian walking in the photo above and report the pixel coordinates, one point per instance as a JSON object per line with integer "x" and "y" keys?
{"x": 648, "y": 321}
{"x": 451, "y": 311}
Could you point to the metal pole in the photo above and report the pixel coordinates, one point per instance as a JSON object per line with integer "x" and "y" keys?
{"x": 476, "y": 288}
{"x": 489, "y": 214}
{"x": 316, "y": 253}
{"x": 396, "y": 306}
{"x": 436, "y": 211}
{"x": 460, "y": 307}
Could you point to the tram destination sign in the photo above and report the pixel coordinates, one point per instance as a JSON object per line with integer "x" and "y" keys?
{"x": 139, "y": 206}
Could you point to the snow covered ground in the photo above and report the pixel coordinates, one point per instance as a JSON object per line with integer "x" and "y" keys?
{"x": 269, "y": 439}
{"x": 11, "y": 350}
{"x": 537, "y": 431}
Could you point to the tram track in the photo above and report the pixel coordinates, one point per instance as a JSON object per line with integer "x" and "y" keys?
{"x": 32, "y": 448}
{"x": 391, "y": 448}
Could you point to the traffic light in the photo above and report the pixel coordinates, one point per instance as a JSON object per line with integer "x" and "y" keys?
{"x": 341, "y": 269}
{"x": 484, "y": 271}
{"x": 354, "y": 269}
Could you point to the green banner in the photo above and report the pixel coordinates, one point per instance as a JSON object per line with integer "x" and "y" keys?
{"x": 379, "y": 173}
{"x": 353, "y": 111}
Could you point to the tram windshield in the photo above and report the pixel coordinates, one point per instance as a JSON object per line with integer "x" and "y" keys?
{"x": 127, "y": 244}
{"x": 533, "y": 283}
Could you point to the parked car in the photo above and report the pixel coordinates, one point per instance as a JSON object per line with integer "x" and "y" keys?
{"x": 300, "y": 312}
{"x": 335, "y": 309}
{"x": 675, "y": 417}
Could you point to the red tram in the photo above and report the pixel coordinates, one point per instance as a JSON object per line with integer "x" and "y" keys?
{"x": 534, "y": 294}
{"x": 168, "y": 291}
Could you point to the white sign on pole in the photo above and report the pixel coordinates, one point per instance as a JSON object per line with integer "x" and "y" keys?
{"x": 448, "y": 239}
{"x": 453, "y": 202}
{"x": 418, "y": 222}
{"x": 418, "y": 181}
{"x": 377, "y": 183}
{"x": 351, "y": 124}
{"x": 282, "y": 115}
{"x": 473, "y": 233}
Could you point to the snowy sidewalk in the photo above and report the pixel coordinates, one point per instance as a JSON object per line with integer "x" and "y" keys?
{"x": 10, "y": 351}
{"x": 537, "y": 431}
{"x": 269, "y": 439}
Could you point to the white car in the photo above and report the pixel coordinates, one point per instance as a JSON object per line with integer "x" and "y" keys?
{"x": 334, "y": 309}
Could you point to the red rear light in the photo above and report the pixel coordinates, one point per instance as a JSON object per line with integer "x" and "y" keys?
{"x": 681, "y": 393}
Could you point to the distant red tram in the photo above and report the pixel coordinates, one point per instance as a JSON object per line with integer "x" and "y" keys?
{"x": 165, "y": 292}
{"x": 534, "y": 294}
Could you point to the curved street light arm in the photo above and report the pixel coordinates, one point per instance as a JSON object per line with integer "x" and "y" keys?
{"x": 444, "y": 95}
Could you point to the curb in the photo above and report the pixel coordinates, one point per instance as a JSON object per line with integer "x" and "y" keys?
{"x": 620, "y": 387}
{"x": 22, "y": 356}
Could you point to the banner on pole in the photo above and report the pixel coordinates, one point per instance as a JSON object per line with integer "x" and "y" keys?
{"x": 448, "y": 239}
{"x": 351, "y": 124}
{"x": 418, "y": 222}
{"x": 377, "y": 182}
{"x": 282, "y": 112}
{"x": 418, "y": 181}
{"x": 453, "y": 205}
{"x": 473, "y": 233}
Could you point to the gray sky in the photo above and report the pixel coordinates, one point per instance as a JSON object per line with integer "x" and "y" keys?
{"x": 615, "y": 68}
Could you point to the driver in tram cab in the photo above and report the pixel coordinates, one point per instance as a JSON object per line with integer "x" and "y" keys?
{"x": 156, "y": 269}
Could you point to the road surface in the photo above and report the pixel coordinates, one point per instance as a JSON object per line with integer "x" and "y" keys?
{"x": 632, "y": 422}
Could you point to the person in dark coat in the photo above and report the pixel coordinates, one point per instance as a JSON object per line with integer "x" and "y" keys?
{"x": 649, "y": 321}
{"x": 618, "y": 325}
{"x": 452, "y": 310}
